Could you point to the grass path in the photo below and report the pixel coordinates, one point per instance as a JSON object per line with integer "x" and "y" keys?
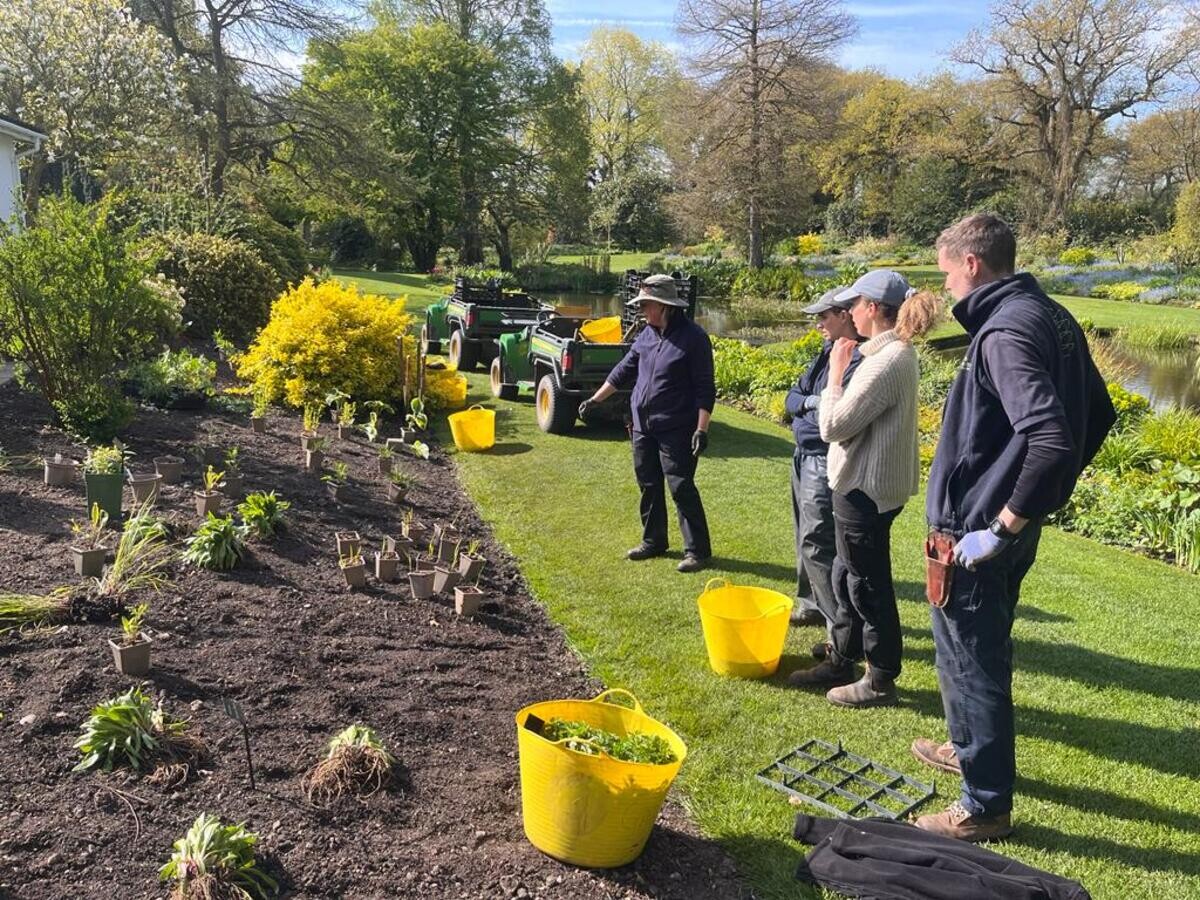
{"x": 415, "y": 286}
{"x": 1107, "y": 670}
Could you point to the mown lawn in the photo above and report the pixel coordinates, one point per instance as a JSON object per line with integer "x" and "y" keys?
{"x": 1107, "y": 661}
{"x": 415, "y": 286}
{"x": 618, "y": 262}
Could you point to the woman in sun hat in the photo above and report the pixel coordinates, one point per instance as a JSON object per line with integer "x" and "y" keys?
{"x": 873, "y": 466}
{"x": 670, "y": 368}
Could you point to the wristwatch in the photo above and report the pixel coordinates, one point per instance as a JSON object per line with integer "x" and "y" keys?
{"x": 997, "y": 528}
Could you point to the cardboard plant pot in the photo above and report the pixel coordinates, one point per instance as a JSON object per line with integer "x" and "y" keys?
{"x": 385, "y": 465}
{"x": 132, "y": 659}
{"x": 314, "y": 460}
{"x": 231, "y": 485}
{"x": 145, "y": 488}
{"x": 401, "y": 545}
{"x": 415, "y": 532}
{"x": 470, "y": 566}
{"x": 336, "y": 491}
{"x": 169, "y": 467}
{"x": 107, "y": 491}
{"x": 207, "y": 502}
{"x": 59, "y": 472}
{"x": 212, "y": 455}
{"x": 344, "y": 432}
{"x": 396, "y": 493}
{"x": 421, "y": 583}
{"x": 89, "y": 563}
{"x": 444, "y": 579}
{"x": 447, "y": 547}
{"x": 258, "y": 424}
{"x": 395, "y": 444}
{"x": 307, "y": 438}
{"x": 467, "y": 600}
{"x": 355, "y": 573}
{"x": 348, "y": 543}
{"x": 387, "y": 566}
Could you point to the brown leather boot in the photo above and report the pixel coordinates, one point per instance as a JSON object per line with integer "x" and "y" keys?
{"x": 823, "y": 674}
{"x": 870, "y": 690}
{"x": 940, "y": 756}
{"x": 956, "y": 822}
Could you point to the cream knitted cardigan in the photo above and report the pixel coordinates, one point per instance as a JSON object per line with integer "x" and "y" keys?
{"x": 871, "y": 424}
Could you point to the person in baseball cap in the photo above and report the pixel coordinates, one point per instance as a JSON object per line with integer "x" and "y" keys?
{"x": 878, "y": 286}
{"x": 670, "y": 369}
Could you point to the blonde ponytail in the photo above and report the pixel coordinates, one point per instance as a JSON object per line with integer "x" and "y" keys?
{"x": 919, "y": 313}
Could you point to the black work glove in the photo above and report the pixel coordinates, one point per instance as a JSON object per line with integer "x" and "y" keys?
{"x": 585, "y": 407}
{"x": 699, "y": 442}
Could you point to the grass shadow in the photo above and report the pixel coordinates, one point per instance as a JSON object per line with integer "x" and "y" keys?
{"x": 1041, "y": 837}
{"x": 773, "y": 571}
{"x": 727, "y": 441}
{"x": 510, "y": 448}
{"x": 1106, "y": 803}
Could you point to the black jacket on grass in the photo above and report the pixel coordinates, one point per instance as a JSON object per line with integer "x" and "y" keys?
{"x": 880, "y": 859}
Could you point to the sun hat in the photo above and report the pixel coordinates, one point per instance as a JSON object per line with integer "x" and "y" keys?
{"x": 660, "y": 289}
{"x": 879, "y": 286}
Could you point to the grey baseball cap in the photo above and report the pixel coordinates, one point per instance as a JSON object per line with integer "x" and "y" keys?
{"x": 828, "y": 300}
{"x": 660, "y": 289}
{"x": 880, "y": 286}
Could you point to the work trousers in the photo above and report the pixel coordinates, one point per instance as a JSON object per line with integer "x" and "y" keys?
{"x": 816, "y": 548}
{"x": 972, "y": 635}
{"x": 664, "y": 460}
{"x": 866, "y": 622}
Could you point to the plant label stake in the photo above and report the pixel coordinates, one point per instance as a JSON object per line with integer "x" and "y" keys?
{"x": 233, "y": 709}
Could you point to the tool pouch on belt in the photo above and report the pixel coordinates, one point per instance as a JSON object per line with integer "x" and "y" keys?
{"x": 939, "y": 567}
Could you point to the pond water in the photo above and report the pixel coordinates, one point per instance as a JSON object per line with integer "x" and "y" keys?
{"x": 711, "y": 316}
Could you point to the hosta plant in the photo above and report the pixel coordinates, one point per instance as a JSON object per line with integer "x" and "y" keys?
{"x": 132, "y": 731}
{"x": 355, "y": 762}
{"x": 216, "y": 862}
{"x": 418, "y": 449}
{"x": 216, "y": 544}
{"x": 417, "y": 418}
{"x": 262, "y": 514}
{"x": 636, "y": 746}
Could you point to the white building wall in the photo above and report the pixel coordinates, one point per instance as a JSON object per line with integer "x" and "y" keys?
{"x": 10, "y": 179}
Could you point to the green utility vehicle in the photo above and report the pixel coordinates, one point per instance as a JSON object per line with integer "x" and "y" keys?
{"x": 471, "y": 319}
{"x": 564, "y": 369}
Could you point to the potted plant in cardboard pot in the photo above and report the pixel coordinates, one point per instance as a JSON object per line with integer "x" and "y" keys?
{"x": 58, "y": 471}
{"x": 387, "y": 564}
{"x": 102, "y": 476}
{"x": 347, "y": 541}
{"x": 335, "y": 479}
{"x": 446, "y": 535}
{"x": 445, "y": 577}
{"x": 345, "y": 420}
{"x": 314, "y": 456}
{"x": 144, "y": 488}
{"x": 416, "y": 421}
{"x": 420, "y": 575}
{"x": 258, "y": 412}
{"x": 169, "y": 467}
{"x": 87, "y": 548}
{"x": 412, "y": 529}
{"x": 232, "y": 488}
{"x": 354, "y": 568}
{"x": 312, "y": 422}
{"x": 398, "y": 484}
{"x": 467, "y": 599}
{"x": 386, "y": 456}
{"x": 470, "y": 563}
{"x": 132, "y": 654}
{"x": 209, "y": 499}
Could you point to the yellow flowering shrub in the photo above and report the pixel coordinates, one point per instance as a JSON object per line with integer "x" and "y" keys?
{"x": 327, "y": 337}
{"x": 445, "y": 388}
{"x": 810, "y": 244}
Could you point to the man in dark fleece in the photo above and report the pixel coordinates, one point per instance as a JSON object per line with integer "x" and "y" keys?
{"x": 1026, "y": 413}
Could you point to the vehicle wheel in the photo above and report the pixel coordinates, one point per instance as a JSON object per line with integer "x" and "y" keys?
{"x": 463, "y": 354}
{"x": 555, "y": 411}
{"x": 500, "y": 390}
{"x": 432, "y": 348}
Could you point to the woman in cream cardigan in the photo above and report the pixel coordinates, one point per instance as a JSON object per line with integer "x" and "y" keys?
{"x": 871, "y": 426}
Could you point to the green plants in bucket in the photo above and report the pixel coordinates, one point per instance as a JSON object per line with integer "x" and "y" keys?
{"x": 102, "y": 475}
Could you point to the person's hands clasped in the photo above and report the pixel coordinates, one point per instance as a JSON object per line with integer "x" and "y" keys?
{"x": 699, "y": 442}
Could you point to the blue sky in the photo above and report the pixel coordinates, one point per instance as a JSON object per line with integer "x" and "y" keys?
{"x": 904, "y": 39}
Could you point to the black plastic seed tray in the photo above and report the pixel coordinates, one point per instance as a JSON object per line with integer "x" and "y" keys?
{"x": 845, "y": 784}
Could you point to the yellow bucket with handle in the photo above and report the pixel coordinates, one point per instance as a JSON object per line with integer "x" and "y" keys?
{"x": 744, "y": 628}
{"x": 593, "y": 811}
{"x": 474, "y": 429}
{"x": 602, "y": 331}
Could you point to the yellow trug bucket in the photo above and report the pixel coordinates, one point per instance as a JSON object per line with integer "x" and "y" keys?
{"x": 744, "y": 628}
{"x": 602, "y": 331}
{"x": 592, "y": 811}
{"x": 474, "y": 429}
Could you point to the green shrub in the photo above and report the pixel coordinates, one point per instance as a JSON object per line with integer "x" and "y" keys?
{"x": 1130, "y": 407}
{"x": 785, "y": 282}
{"x": 810, "y": 244}
{"x": 1172, "y": 436}
{"x": 1186, "y": 232}
{"x": 1155, "y": 337}
{"x": 226, "y": 285}
{"x": 174, "y": 378}
{"x": 1121, "y": 453}
{"x": 938, "y": 371}
{"x": 1106, "y": 506}
{"x": 216, "y": 544}
{"x": 1041, "y": 249}
{"x": 77, "y": 307}
{"x": 262, "y": 513}
{"x": 743, "y": 373}
{"x": 280, "y": 248}
{"x": 346, "y": 238}
{"x": 1077, "y": 256}
{"x": 1125, "y": 291}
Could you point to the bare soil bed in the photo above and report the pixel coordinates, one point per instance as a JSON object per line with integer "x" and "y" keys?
{"x": 305, "y": 657}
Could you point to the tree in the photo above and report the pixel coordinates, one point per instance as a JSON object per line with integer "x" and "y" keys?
{"x": 1161, "y": 151}
{"x": 99, "y": 84}
{"x": 747, "y": 55}
{"x": 1063, "y": 68}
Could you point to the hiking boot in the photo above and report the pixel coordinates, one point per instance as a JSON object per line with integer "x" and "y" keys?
{"x": 940, "y": 756}
{"x": 870, "y": 690}
{"x": 956, "y": 822}
{"x": 807, "y": 617}
{"x": 821, "y": 650}
{"x": 823, "y": 673}
{"x": 645, "y": 551}
{"x": 691, "y": 563}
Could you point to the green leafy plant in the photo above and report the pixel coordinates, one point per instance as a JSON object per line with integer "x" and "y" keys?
{"x": 417, "y": 418}
{"x": 144, "y": 523}
{"x": 173, "y": 378}
{"x": 386, "y": 452}
{"x": 419, "y": 449}
{"x": 338, "y": 473}
{"x": 232, "y": 459}
{"x": 346, "y": 413}
{"x": 225, "y": 347}
{"x": 371, "y": 427}
{"x": 352, "y": 557}
{"x": 139, "y": 562}
{"x": 400, "y": 478}
{"x": 636, "y": 746}
{"x": 19, "y": 611}
{"x": 216, "y": 544}
{"x": 216, "y": 861}
{"x": 356, "y": 762}
{"x": 312, "y": 415}
{"x": 90, "y": 535}
{"x": 131, "y": 624}
{"x": 213, "y": 479}
{"x": 104, "y": 460}
{"x": 261, "y": 403}
{"x": 131, "y": 730}
{"x": 262, "y": 513}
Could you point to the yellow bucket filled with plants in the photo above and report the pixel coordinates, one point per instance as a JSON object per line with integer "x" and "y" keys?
{"x": 602, "y": 331}
{"x": 744, "y": 628}
{"x": 474, "y": 429}
{"x": 594, "y": 775}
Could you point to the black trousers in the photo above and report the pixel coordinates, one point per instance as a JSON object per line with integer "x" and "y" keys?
{"x": 664, "y": 460}
{"x": 867, "y": 623}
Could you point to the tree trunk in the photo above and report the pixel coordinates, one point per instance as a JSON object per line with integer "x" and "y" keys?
{"x": 503, "y": 245}
{"x": 224, "y": 140}
{"x": 33, "y": 187}
{"x": 755, "y": 250}
{"x": 471, "y": 249}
